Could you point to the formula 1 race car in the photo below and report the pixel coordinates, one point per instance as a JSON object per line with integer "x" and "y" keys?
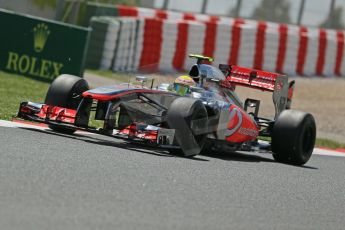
{"x": 210, "y": 118}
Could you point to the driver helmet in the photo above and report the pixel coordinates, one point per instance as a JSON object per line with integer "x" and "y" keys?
{"x": 182, "y": 85}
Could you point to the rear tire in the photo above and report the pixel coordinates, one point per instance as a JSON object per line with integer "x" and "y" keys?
{"x": 180, "y": 115}
{"x": 63, "y": 92}
{"x": 293, "y": 137}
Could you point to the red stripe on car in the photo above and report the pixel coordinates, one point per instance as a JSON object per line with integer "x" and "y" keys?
{"x": 105, "y": 97}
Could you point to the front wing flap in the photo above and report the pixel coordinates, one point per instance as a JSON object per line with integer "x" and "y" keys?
{"x": 45, "y": 113}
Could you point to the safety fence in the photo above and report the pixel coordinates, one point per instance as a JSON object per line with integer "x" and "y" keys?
{"x": 155, "y": 40}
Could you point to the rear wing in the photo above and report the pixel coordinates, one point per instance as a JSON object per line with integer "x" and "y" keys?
{"x": 262, "y": 80}
{"x": 252, "y": 78}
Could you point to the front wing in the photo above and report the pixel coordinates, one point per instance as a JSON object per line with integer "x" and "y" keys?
{"x": 63, "y": 117}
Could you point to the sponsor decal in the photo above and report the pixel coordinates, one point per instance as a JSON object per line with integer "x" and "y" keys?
{"x": 234, "y": 126}
{"x": 41, "y": 33}
{"x": 25, "y": 64}
{"x": 33, "y": 65}
{"x": 248, "y": 132}
{"x": 235, "y": 121}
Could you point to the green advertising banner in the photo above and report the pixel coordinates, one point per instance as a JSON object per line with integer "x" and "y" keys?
{"x": 41, "y": 48}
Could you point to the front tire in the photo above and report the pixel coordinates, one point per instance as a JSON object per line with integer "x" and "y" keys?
{"x": 182, "y": 112}
{"x": 293, "y": 137}
{"x": 65, "y": 92}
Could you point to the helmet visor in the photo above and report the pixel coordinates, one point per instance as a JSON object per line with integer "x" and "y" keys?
{"x": 181, "y": 89}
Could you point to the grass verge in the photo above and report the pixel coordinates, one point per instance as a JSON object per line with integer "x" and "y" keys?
{"x": 15, "y": 89}
{"x": 321, "y": 142}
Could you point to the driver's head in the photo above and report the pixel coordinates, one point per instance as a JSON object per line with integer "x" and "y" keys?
{"x": 182, "y": 85}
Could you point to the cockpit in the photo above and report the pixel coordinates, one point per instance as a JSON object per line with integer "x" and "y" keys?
{"x": 208, "y": 88}
{"x": 203, "y": 72}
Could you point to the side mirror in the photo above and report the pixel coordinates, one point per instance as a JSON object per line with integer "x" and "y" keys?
{"x": 215, "y": 80}
{"x": 141, "y": 78}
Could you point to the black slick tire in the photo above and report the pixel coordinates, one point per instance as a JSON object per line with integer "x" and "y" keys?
{"x": 293, "y": 137}
{"x": 63, "y": 92}
{"x": 181, "y": 113}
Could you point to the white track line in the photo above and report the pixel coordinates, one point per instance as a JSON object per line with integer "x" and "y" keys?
{"x": 317, "y": 151}
{"x": 326, "y": 152}
{"x": 13, "y": 124}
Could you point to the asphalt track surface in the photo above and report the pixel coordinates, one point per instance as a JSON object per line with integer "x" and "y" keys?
{"x": 54, "y": 181}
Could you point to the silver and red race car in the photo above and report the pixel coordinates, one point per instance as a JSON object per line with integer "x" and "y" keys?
{"x": 210, "y": 118}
